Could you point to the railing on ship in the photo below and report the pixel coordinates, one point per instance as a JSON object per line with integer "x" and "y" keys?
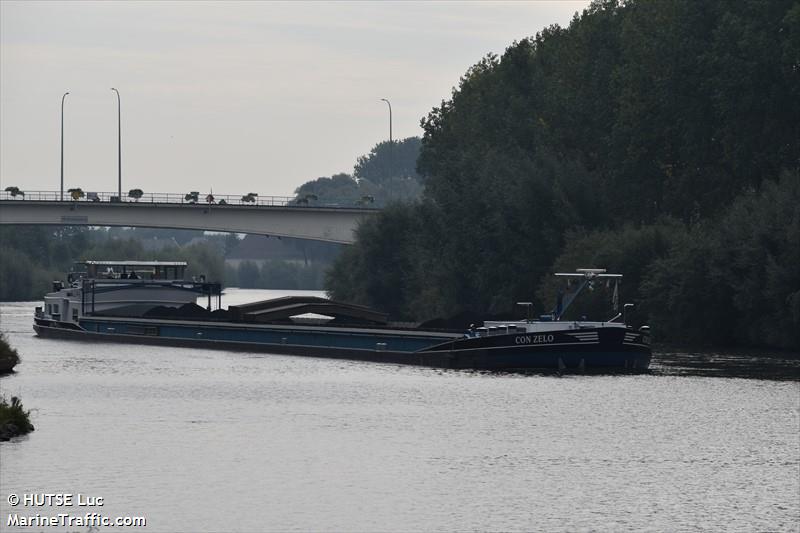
{"x": 177, "y": 198}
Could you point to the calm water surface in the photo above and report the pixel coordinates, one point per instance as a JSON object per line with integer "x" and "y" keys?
{"x": 201, "y": 440}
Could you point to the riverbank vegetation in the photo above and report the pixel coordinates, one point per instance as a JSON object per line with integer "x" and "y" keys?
{"x": 9, "y": 358}
{"x": 14, "y": 419}
{"x": 657, "y": 139}
{"x": 34, "y": 256}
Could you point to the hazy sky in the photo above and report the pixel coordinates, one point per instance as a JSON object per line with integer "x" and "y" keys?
{"x": 234, "y": 97}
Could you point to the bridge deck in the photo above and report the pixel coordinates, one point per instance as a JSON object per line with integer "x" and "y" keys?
{"x": 265, "y": 215}
{"x": 179, "y": 198}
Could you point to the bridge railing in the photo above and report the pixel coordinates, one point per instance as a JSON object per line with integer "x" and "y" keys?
{"x": 172, "y": 198}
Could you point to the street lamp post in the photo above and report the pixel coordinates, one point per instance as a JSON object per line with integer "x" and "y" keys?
{"x": 62, "y": 145}
{"x": 119, "y": 145}
{"x": 391, "y": 148}
{"x": 390, "y": 118}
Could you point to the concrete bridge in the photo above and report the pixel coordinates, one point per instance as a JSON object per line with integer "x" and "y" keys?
{"x": 303, "y": 218}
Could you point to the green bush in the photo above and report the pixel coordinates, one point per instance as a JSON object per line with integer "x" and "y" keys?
{"x": 13, "y": 414}
{"x": 9, "y": 358}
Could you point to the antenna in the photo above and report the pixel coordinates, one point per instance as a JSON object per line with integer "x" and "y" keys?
{"x": 587, "y": 273}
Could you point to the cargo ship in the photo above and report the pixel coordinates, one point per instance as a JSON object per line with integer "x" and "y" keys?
{"x": 152, "y": 302}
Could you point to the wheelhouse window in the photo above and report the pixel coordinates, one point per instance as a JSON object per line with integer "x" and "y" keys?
{"x": 75, "y": 314}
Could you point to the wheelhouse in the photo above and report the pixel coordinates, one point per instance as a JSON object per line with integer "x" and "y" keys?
{"x": 149, "y": 270}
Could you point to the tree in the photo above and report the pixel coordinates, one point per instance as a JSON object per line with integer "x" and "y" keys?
{"x": 372, "y": 272}
{"x": 388, "y": 173}
{"x": 248, "y": 274}
{"x": 338, "y": 189}
{"x": 389, "y": 160}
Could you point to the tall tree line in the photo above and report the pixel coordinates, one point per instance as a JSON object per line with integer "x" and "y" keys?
{"x": 658, "y": 137}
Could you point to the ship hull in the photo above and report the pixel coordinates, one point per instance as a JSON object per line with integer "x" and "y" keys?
{"x": 599, "y": 349}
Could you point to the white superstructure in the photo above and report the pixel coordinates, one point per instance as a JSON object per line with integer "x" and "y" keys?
{"x": 114, "y": 286}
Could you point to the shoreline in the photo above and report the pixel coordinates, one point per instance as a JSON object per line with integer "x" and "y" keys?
{"x": 14, "y": 419}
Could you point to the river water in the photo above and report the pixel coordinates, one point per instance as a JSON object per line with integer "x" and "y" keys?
{"x": 202, "y": 440}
